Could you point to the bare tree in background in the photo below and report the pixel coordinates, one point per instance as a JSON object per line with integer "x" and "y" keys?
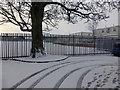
{"x": 38, "y": 16}
{"x": 92, "y": 26}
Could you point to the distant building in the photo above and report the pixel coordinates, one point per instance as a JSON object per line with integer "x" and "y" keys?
{"x": 113, "y": 31}
{"x": 82, "y": 33}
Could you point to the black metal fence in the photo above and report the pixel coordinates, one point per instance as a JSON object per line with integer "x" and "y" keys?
{"x": 19, "y": 45}
{"x": 15, "y": 45}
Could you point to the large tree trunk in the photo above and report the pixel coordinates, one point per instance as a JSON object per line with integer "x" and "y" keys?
{"x": 37, "y": 13}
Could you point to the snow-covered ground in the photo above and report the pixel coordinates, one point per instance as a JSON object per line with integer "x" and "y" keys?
{"x": 99, "y": 71}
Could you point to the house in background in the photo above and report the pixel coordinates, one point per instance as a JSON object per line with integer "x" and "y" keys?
{"x": 82, "y": 33}
{"x": 113, "y": 31}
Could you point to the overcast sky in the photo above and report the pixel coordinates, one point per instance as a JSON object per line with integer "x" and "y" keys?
{"x": 81, "y": 26}
{"x": 65, "y": 28}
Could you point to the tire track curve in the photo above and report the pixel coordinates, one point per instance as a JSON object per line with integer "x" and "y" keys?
{"x": 80, "y": 80}
{"x": 32, "y": 75}
{"x": 41, "y": 78}
{"x": 58, "y": 84}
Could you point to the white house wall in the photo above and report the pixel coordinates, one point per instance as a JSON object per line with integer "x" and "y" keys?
{"x": 104, "y": 31}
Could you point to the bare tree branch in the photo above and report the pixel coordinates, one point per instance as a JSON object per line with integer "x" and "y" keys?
{"x": 19, "y": 13}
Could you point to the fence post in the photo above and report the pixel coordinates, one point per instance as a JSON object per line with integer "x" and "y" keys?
{"x": 94, "y": 44}
{"x": 73, "y": 45}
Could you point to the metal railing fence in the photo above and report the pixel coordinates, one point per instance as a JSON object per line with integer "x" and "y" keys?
{"x": 15, "y": 45}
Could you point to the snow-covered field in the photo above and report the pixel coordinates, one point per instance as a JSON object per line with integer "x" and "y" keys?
{"x": 74, "y": 72}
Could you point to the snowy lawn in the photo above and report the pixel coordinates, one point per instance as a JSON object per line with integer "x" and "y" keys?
{"x": 100, "y": 71}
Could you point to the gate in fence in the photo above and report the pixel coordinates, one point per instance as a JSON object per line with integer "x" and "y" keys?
{"x": 19, "y": 45}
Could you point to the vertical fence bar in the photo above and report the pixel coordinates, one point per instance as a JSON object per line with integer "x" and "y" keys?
{"x": 24, "y": 52}
{"x": 2, "y": 53}
{"x": 21, "y": 47}
{"x": 15, "y": 40}
{"x": 62, "y": 44}
{"x": 6, "y": 45}
{"x": 17, "y": 43}
{"x": 79, "y": 42}
{"x": 26, "y": 37}
{"x": 85, "y": 42}
{"x": 94, "y": 44}
{"x": 2, "y": 46}
{"x": 73, "y": 45}
{"x": 69, "y": 42}
{"x": 58, "y": 45}
{"x": 29, "y": 44}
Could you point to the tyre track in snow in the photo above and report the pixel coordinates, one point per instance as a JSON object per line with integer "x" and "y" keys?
{"x": 58, "y": 84}
{"x": 81, "y": 78}
{"x": 38, "y": 72}
{"x": 41, "y": 78}
{"x": 32, "y": 75}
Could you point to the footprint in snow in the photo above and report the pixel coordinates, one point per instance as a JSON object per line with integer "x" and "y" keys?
{"x": 107, "y": 77}
{"x": 89, "y": 84}
{"x": 95, "y": 78}
{"x": 96, "y": 73}
{"x": 102, "y": 85}
{"x": 116, "y": 73}
{"x": 111, "y": 66}
{"x": 117, "y": 87}
{"x": 109, "y": 73}
{"x": 105, "y": 80}
{"x": 100, "y": 76}
{"x": 98, "y": 85}
{"x": 104, "y": 72}
{"x": 114, "y": 80}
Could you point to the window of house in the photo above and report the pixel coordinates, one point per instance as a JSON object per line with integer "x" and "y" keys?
{"x": 114, "y": 30}
{"x": 108, "y": 30}
{"x": 102, "y": 31}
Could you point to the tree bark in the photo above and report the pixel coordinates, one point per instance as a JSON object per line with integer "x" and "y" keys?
{"x": 37, "y": 14}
